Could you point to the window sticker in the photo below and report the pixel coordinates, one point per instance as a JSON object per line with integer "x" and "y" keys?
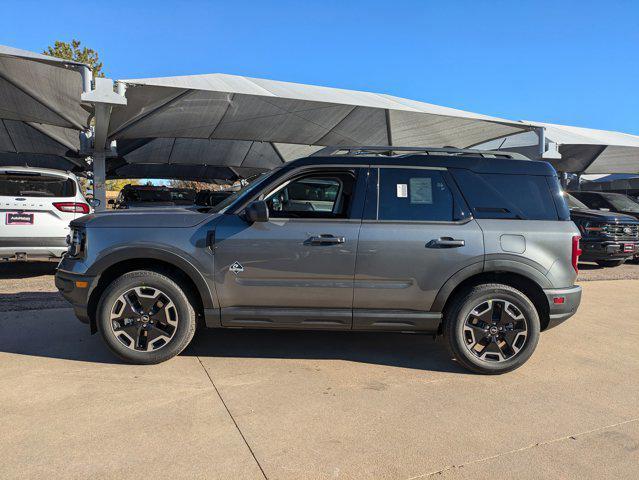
{"x": 402, "y": 190}
{"x": 421, "y": 190}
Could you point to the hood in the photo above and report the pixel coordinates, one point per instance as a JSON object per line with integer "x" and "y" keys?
{"x": 632, "y": 214}
{"x": 601, "y": 215}
{"x": 143, "y": 218}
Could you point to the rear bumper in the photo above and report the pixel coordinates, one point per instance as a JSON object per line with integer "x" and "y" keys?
{"x": 23, "y": 248}
{"x": 607, "y": 250}
{"x": 563, "y": 303}
{"x": 77, "y": 296}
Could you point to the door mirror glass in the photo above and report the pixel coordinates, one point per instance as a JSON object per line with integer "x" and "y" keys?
{"x": 94, "y": 202}
{"x": 256, "y": 212}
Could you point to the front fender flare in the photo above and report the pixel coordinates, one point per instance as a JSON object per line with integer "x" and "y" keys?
{"x": 124, "y": 253}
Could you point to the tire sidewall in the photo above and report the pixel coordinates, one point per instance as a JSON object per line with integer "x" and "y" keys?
{"x": 459, "y": 342}
{"x": 185, "y": 313}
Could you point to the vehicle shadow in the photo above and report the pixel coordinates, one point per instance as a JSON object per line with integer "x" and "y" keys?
{"x": 590, "y": 266}
{"x": 10, "y": 270}
{"x": 12, "y": 302}
{"x": 57, "y": 334}
{"x": 393, "y": 349}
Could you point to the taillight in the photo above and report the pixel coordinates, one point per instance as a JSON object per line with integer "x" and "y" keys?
{"x": 72, "y": 207}
{"x": 576, "y": 251}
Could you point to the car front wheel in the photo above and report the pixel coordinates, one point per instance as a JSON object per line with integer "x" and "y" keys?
{"x": 492, "y": 328}
{"x": 145, "y": 317}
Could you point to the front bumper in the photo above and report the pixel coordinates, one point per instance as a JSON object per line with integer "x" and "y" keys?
{"x": 607, "y": 250}
{"x": 76, "y": 293}
{"x": 563, "y": 303}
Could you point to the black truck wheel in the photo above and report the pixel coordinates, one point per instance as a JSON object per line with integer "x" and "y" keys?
{"x": 610, "y": 263}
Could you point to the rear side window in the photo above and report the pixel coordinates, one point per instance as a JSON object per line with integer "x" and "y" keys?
{"x": 507, "y": 196}
{"x": 414, "y": 195}
{"x": 20, "y": 185}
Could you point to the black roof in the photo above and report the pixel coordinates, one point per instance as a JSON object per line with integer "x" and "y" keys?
{"x": 475, "y": 163}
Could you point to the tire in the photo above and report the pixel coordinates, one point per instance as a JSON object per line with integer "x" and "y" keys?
{"x": 465, "y": 332}
{"x": 168, "y": 331}
{"x": 610, "y": 263}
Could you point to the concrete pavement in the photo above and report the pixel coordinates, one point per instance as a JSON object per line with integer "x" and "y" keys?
{"x": 241, "y": 404}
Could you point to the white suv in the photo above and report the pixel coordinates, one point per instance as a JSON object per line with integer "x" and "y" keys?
{"x": 36, "y": 206}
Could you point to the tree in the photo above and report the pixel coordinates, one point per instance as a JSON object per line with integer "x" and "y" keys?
{"x": 117, "y": 185}
{"x": 72, "y": 51}
{"x": 195, "y": 185}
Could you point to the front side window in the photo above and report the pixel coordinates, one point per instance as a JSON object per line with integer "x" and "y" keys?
{"x": 317, "y": 195}
{"x": 414, "y": 194}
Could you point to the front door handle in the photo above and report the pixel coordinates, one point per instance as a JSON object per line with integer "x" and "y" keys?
{"x": 446, "y": 242}
{"x": 325, "y": 239}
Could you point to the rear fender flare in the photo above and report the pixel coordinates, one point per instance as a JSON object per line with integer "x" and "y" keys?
{"x": 496, "y": 265}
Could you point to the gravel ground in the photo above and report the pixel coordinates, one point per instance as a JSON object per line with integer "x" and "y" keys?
{"x": 29, "y": 286}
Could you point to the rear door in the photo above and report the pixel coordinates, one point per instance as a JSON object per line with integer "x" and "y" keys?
{"x": 415, "y": 235}
{"x": 296, "y": 270}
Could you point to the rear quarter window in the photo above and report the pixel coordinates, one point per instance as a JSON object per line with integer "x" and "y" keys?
{"x": 20, "y": 185}
{"x": 508, "y": 196}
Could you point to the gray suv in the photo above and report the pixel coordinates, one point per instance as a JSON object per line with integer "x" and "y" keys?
{"x": 475, "y": 246}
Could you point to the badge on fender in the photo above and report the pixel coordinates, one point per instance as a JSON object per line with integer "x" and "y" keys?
{"x": 236, "y": 268}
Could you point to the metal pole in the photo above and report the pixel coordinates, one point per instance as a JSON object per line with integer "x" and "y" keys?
{"x": 87, "y": 76}
{"x": 99, "y": 179}
{"x": 120, "y": 88}
{"x": 541, "y": 135}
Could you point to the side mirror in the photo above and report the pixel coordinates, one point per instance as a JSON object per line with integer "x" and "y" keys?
{"x": 94, "y": 202}
{"x": 111, "y": 202}
{"x": 256, "y": 212}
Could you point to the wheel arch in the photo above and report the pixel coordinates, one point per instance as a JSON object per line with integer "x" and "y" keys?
{"x": 113, "y": 265}
{"x": 523, "y": 277}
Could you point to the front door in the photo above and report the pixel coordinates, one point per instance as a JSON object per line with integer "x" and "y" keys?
{"x": 295, "y": 270}
{"x": 415, "y": 235}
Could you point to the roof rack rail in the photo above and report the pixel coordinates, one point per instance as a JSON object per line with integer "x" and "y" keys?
{"x": 393, "y": 150}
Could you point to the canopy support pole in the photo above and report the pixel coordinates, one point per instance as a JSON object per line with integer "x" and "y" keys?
{"x": 103, "y": 98}
{"x": 541, "y": 135}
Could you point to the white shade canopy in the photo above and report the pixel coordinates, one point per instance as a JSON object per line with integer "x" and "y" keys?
{"x": 583, "y": 150}
{"x": 245, "y": 124}
{"x": 41, "y": 115}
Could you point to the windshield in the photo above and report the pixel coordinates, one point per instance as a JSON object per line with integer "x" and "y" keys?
{"x": 621, "y": 202}
{"x": 244, "y": 192}
{"x": 20, "y": 184}
{"x": 183, "y": 195}
{"x": 150, "y": 195}
{"x": 574, "y": 203}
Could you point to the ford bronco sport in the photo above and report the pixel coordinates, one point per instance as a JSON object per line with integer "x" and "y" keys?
{"x": 475, "y": 246}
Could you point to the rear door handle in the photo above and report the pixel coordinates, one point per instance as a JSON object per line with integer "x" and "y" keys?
{"x": 325, "y": 239}
{"x": 446, "y": 242}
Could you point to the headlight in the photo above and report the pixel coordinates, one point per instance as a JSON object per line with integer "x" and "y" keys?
{"x": 76, "y": 242}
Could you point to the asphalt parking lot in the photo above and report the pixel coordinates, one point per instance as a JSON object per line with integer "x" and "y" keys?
{"x": 245, "y": 404}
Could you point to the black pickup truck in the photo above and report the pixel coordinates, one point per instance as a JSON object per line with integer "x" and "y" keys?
{"x": 608, "y": 238}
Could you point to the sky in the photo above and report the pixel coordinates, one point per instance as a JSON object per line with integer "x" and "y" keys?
{"x": 569, "y": 62}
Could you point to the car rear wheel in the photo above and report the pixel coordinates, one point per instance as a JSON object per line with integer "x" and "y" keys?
{"x": 145, "y": 317}
{"x": 491, "y": 328}
{"x": 610, "y": 263}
